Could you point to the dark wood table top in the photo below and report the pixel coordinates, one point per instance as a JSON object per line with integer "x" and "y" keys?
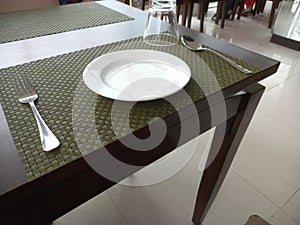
{"x": 17, "y": 192}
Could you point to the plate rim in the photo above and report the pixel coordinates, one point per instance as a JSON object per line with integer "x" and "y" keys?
{"x": 116, "y": 92}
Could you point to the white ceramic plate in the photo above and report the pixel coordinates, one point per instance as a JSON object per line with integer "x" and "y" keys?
{"x": 136, "y": 75}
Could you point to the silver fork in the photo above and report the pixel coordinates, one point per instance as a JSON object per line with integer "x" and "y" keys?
{"x": 27, "y": 94}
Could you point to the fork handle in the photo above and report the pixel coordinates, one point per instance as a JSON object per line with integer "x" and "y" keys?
{"x": 48, "y": 139}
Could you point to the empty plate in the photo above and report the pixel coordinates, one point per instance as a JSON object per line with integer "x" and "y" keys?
{"x": 136, "y": 75}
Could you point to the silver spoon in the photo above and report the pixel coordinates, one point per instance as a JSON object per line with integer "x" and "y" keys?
{"x": 193, "y": 45}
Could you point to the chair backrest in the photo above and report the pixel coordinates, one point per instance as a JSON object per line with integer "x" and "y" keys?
{"x": 17, "y": 5}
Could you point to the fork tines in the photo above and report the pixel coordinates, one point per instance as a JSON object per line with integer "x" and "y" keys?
{"x": 24, "y": 87}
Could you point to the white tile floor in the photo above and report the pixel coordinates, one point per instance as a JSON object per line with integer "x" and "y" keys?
{"x": 265, "y": 176}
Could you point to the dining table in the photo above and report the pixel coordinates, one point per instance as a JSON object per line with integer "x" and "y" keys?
{"x": 102, "y": 140}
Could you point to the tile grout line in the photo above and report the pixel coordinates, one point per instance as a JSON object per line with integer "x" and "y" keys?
{"x": 117, "y": 207}
{"x": 287, "y": 202}
{"x": 286, "y": 215}
{"x": 290, "y": 197}
{"x": 278, "y": 207}
{"x": 233, "y": 170}
{"x": 278, "y": 120}
{"x": 273, "y": 215}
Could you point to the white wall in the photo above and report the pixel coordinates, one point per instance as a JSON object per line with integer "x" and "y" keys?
{"x": 15, "y": 5}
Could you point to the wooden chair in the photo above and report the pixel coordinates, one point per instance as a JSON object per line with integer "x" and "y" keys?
{"x": 238, "y": 9}
{"x": 64, "y": 2}
{"x": 221, "y": 13}
{"x": 201, "y": 12}
{"x": 181, "y": 9}
{"x": 259, "y": 8}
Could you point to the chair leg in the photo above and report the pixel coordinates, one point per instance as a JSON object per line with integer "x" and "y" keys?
{"x": 236, "y": 5}
{"x": 206, "y": 3}
{"x": 262, "y": 6}
{"x": 190, "y": 14}
{"x": 202, "y": 3}
{"x": 143, "y": 4}
{"x": 275, "y": 4}
{"x": 238, "y": 9}
{"x": 199, "y": 11}
{"x": 224, "y": 13}
{"x": 219, "y": 11}
{"x": 241, "y": 8}
{"x": 256, "y": 9}
{"x": 259, "y": 6}
{"x": 182, "y": 9}
{"x": 185, "y": 13}
{"x": 178, "y": 8}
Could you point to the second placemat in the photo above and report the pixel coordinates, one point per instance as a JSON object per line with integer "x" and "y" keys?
{"x": 21, "y": 25}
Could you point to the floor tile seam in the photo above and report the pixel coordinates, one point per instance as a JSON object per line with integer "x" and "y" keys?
{"x": 257, "y": 51}
{"x": 256, "y": 189}
{"x": 237, "y": 42}
{"x": 279, "y": 206}
{"x": 118, "y": 208}
{"x": 270, "y": 88}
{"x": 252, "y": 49}
{"x": 273, "y": 215}
{"x": 283, "y": 80}
{"x": 247, "y": 147}
{"x": 293, "y": 75}
{"x": 282, "y": 208}
{"x": 277, "y": 76}
{"x": 282, "y": 123}
{"x": 291, "y": 218}
{"x": 270, "y": 220}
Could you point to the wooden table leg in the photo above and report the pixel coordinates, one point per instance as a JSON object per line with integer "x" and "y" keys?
{"x": 222, "y": 151}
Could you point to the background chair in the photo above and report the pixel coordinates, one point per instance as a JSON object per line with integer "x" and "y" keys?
{"x": 201, "y": 12}
{"x": 64, "y": 2}
{"x": 181, "y": 9}
{"x": 238, "y": 9}
{"x": 221, "y": 12}
{"x": 259, "y": 8}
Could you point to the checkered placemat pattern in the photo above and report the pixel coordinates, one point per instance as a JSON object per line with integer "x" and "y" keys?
{"x": 22, "y": 25}
{"x": 84, "y": 121}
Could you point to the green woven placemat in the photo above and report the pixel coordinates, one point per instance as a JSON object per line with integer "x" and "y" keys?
{"x": 73, "y": 112}
{"x": 21, "y": 25}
